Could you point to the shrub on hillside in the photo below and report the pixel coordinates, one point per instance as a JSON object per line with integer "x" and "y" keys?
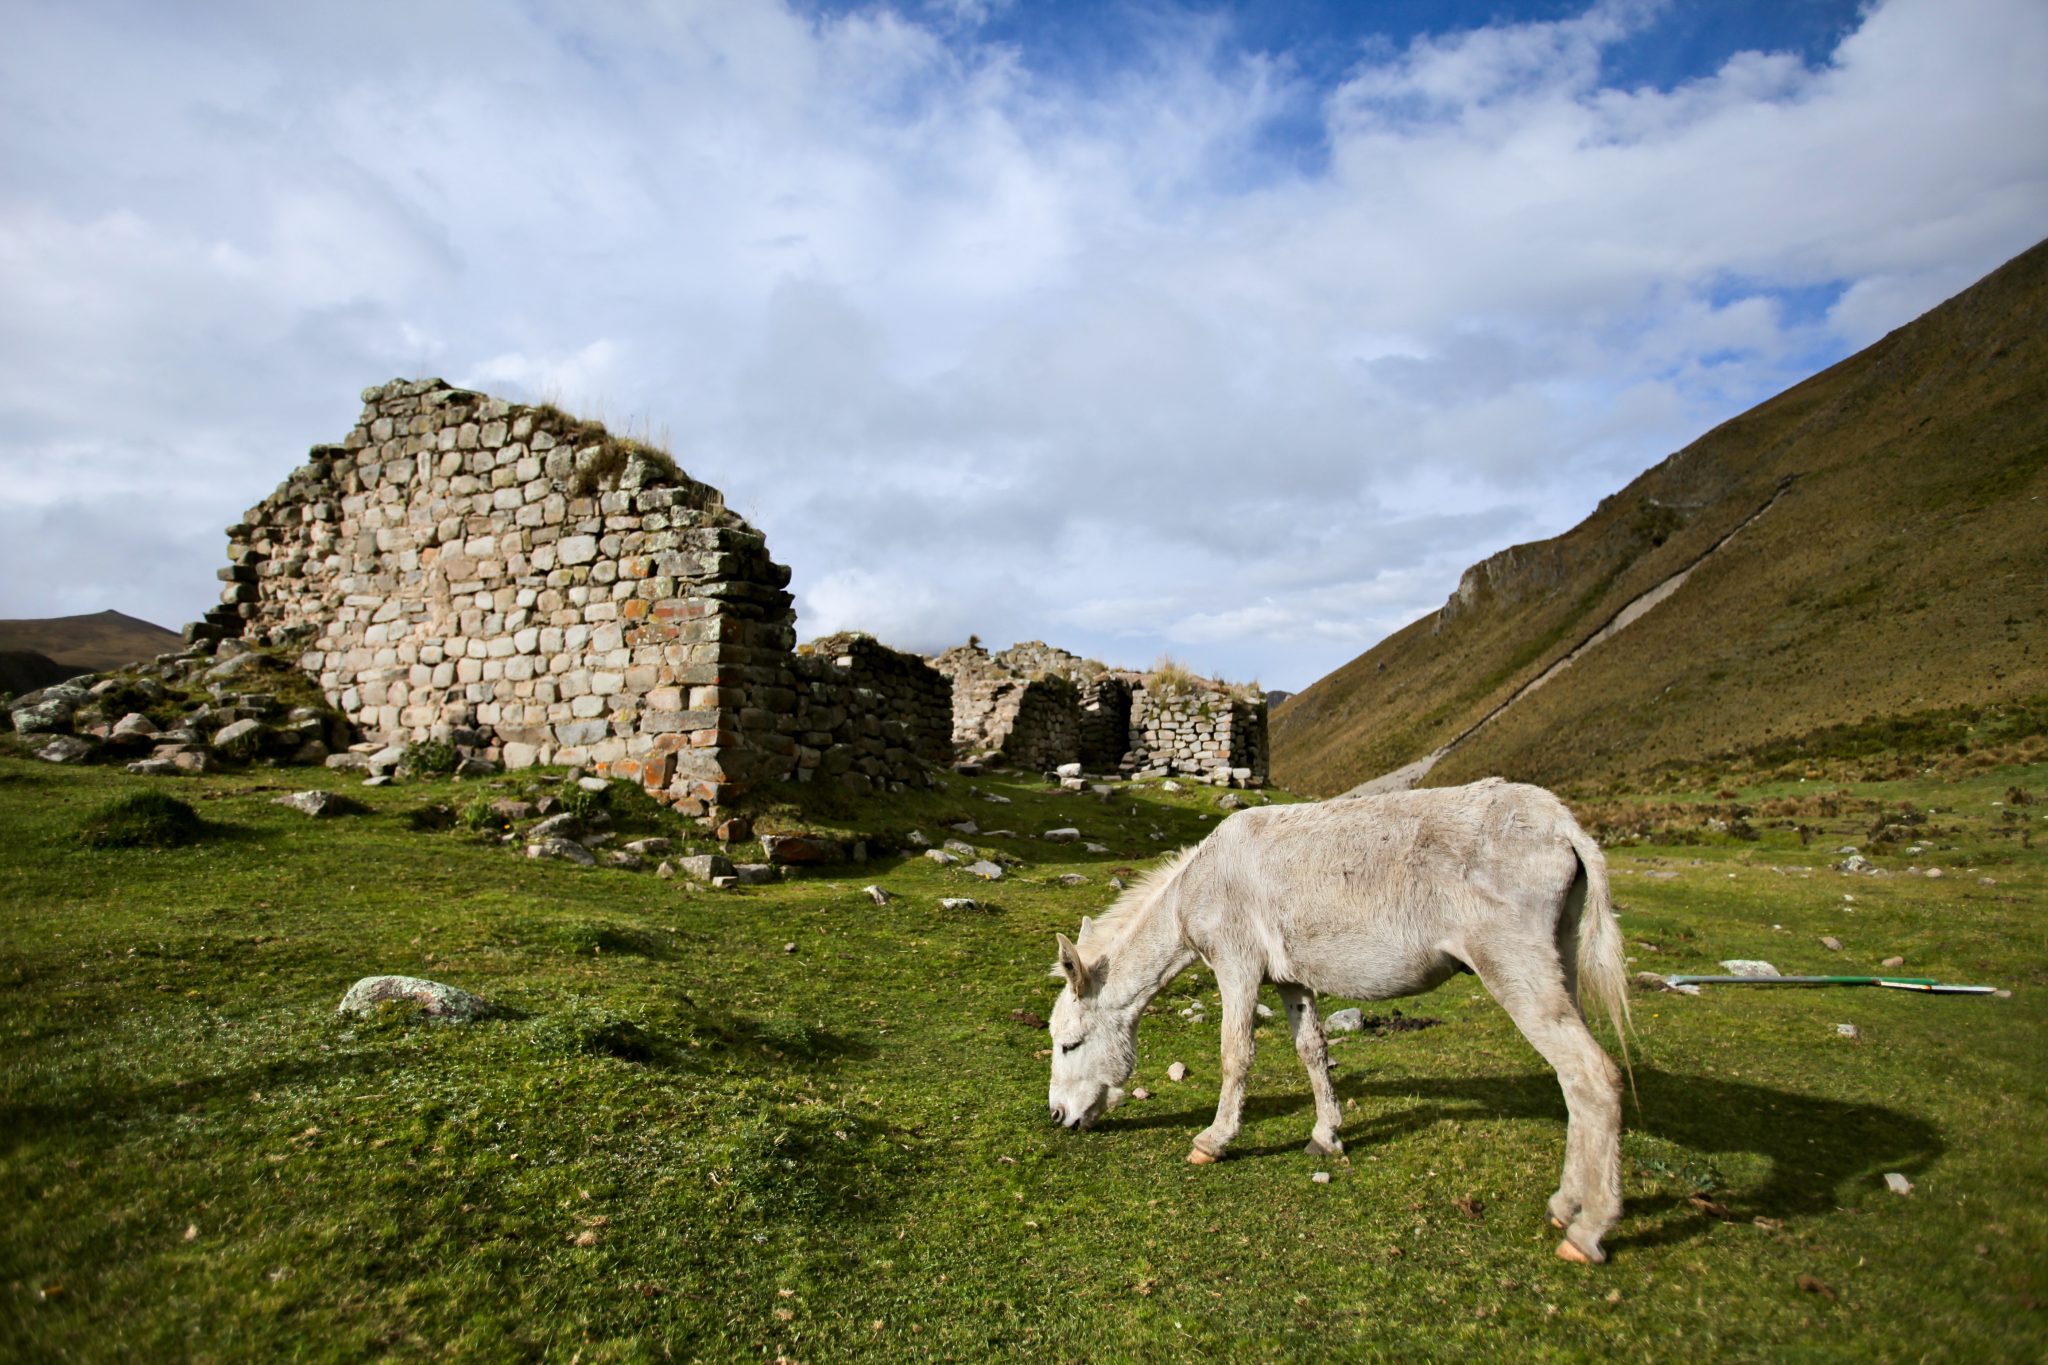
{"x": 430, "y": 758}
{"x": 145, "y": 819}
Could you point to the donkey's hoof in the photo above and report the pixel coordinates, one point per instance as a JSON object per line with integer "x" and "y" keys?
{"x": 1198, "y": 1157}
{"x": 1557, "y": 1222}
{"x": 1568, "y": 1250}
{"x": 1317, "y": 1147}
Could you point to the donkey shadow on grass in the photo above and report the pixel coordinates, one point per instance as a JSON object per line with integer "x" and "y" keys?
{"x": 1823, "y": 1153}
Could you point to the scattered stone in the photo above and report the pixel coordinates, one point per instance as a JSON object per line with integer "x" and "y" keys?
{"x": 568, "y": 850}
{"x": 648, "y": 848}
{"x": 1141, "y": 1093}
{"x": 593, "y": 785}
{"x": 756, "y": 874}
{"x": 154, "y": 767}
{"x": 387, "y": 759}
{"x": 1177, "y": 1072}
{"x": 380, "y": 780}
{"x": 1745, "y": 966}
{"x": 959, "y": 903}
{"x": 1073, "y": 784}
{"x": 987, "y": 871}
{"x": 1856, "y": 863}
{"x": 476, "y": 765}
{"x": 67, "y": 749}
{"x": 725, "y": 883}
{"x": 876, "y": 894}
{"x": 941, "y": 857}
{"x": 563, "y": 826}
{"x": 1831, "y": 943}
{"x": 1345, "y": 1021}
{"x": 1933, "y": 872}
{"x": 1897, "y": 1183}
{"x": 1072, "y": 879}
{"x": 1169, "y": 785}
{"x": 1321, "y": 1177}
{"x": 133, "y": 731}
{"x": 706, "y": 867}
{"x": 448, "y": 1004}
{"x": 1263, "y": 1010}
{"x": 315, "y": 804}
{"x": 1849, "y": 1031}
{"x": 351, "y": 762}
{"x": 49, "y": 716}
{"x": 1116, "y": 883}
{"x": 995, "y": 800}
{"x": 242, "y": 740}
{"x": 1095, "y": 848}
{"x": 960, "y": 846}
{"x": 1230, "y": 801}
{"x": 916, "y": 839}
{"x": 964, "y": 827}
{"x": 666, "y": 870}
{"x": 626, "y": 860}
{"x": 1893, "y": 962}
{"x": 1068, "y": 770}
{"x": 789, "y": 947}
{"x": 799, "y": 849}
{"x": 735, "y": 831}
{"x": 1063, "y": 836}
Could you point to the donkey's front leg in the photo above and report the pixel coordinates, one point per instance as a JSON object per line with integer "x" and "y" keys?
{"x": 1315, "y": 1059}
{"x": 1240, "y": 992}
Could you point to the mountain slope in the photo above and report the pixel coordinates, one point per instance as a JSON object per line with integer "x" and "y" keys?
{"x": 1903, "y": 566}
{"x": 105, "y": 639}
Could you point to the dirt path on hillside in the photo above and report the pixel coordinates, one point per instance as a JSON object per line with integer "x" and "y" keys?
{"x": 1408, "y": 775}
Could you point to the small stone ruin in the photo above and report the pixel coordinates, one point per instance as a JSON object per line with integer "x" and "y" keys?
{"x": 534, "y": 589}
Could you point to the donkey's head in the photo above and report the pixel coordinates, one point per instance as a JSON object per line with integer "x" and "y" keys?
{"x": 1094, "y": 1045}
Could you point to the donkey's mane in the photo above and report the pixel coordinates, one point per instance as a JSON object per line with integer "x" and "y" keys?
{"x": 1142, "y": 891}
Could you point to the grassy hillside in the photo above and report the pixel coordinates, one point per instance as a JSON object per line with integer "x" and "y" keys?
{"x": 103, "y": 640}
{"x": 1903, "y": 569}
{"x": 23, "y": 670}
{"x": 788, "y": 1122}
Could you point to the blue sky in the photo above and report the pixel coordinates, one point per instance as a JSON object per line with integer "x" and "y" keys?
{"x": 1230, "y": 331}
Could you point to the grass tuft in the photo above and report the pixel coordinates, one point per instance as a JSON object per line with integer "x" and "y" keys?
{"x": 144, "y": 819}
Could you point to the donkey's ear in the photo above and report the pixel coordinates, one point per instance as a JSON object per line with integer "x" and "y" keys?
{"x": 1071, "y": 965}
{"x": 1085, "y": 922}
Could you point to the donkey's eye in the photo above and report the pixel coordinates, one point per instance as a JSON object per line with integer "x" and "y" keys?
{"x": 1069, "y": 1047}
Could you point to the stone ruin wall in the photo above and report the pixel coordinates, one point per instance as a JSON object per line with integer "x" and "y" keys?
{"x": 536, "y": 590}
{"x": 533, "y": 589}
{"x": 1039, "y": 707}
{"x": 1199, "y": 732}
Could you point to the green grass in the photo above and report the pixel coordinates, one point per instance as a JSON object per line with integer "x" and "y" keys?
{"x": 678, "y": 1140}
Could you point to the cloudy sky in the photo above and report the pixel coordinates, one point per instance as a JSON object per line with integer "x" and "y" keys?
{"x": 1234, "y": 331}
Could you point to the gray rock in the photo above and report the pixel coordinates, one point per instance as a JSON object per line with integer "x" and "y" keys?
{"x": 725, "y": 883}
{"x": 1169, "y": 785}
{"x": 1177, "y": 1072}
{"x": 387, "y": 759}
{"x": 563, "y": 826}
{"x": 593, "y": 784}
{"x": 1068, "y": 835}
{"x": 317, "y": 803}
{"x": 1095, "y": 848}
{"x": 133, "y": 731}
{"x": 625, "y": 860}
{"x": 941, "y": 857}
{"x": 960, "y": 846}
{"x": 1073, "y": 879}
{"x": 916, "y": 839}
{"x": 705, "y": 867}
{"x": 67, "y": 749}
{"x": 1068, "y": 770}
{"x": 1748, "y": 966}
{"x": 965, "y": 827}
{"x": 1345, "y": 1021}
{"x": 959, "y": 903}
{"x": 154, "y": 767}
{"x": 49, "y": 716}
{"x": 1849, "y": 1031}
{"x": 1897, "y": 1183}
{"x": 985, "y": 870}
{"x": 1831, "y": 943}
{"x": 568, "y": 850}
{"x": 380, "y": 780}
{"x": 359, "y": 763}
{"x": 648, "y": 848}
{"x": 242, "y": 740}
{"x": 876, "y": 894}
{"x": 447, "y": 1004}
{"x": 475, "y": 765}
{"x": 1855, "y": 862}
{"x": 798, "y": 849}
{"x": 1230, "y": 801}
{"x": 756, "y": 874}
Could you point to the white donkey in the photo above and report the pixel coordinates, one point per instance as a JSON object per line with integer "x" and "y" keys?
{"x": 1372, "y": 898}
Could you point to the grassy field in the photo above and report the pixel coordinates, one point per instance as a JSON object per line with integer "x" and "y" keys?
{"x": 788, "y": 1122}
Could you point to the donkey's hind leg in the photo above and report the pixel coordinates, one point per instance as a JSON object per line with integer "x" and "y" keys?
{"x": 1315, "y": 1059}
{"x": 1529, "y": 984}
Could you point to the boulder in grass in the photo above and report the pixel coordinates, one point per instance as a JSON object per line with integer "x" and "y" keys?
{"x": 791, "y": 849}
{"x": 1068, "y": 835}
{"x": 133, "y": 731}
{"x": 67, "y": 749}
{"x": 755, "y": 874}
{"x": 705, "y": 867}
{"x": 447, "y": 1004}
{"x": 987, "y": 871}
{"x": 242, "y": 740}
{"x": 568, "y": 850}
{"x": 318, "y": 804}
{"x": 563, "y": 826}
{"x": 49, "y": 716}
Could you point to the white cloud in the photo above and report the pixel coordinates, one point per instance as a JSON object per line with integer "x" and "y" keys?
{"x": 980, "y": 347}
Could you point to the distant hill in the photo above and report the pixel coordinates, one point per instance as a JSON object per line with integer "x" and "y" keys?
{"x": 1868, "y": 544}
{"x": 103, "y": 640}
{"x": 23, "y": 670}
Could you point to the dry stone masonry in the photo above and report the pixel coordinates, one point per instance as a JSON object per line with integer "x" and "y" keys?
{"x": 533, "y": 589}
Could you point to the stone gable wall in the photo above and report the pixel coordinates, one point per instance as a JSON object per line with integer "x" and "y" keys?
{"x": 538, "y": 590}
{"x": 1199, "y": 733}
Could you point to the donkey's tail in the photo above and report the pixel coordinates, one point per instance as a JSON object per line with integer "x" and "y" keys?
{"x": 1602, "y": 965}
